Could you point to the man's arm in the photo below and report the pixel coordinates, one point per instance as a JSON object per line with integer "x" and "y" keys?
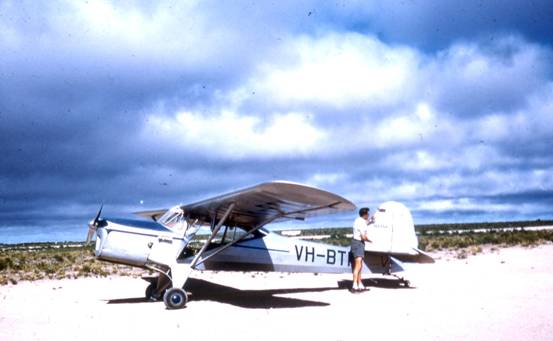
{"x": 365, "y": 234}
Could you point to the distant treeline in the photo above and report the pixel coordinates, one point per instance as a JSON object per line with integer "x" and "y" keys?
{"x": 486, "y": 226}
{"x": 45, "y": 246}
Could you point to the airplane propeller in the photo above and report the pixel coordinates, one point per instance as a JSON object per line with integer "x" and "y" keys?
{"x": 93, "y": 225}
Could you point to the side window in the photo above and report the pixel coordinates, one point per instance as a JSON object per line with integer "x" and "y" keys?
{"x": 231, "y": 234}
{"x": 228, "y": 234}
{"x": 238, "y": 233}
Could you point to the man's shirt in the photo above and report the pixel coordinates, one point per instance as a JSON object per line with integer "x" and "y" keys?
{"x": 359, "y": 228}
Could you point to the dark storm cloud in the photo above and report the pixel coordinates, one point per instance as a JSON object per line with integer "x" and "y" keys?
{"x": 123, "y": 103}
{"x": 479, "y": 207}
{"x": 434, "y": 25}
{"x": 511, "y": 71}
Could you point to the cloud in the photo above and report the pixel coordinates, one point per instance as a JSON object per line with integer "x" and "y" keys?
{"x": 414, "y": 137}
{"x": 475, "y": 79}
{"x": 434, "y": 25}
{"x": 339, "y": 70}
{"x": 231, "y": 135}
{"x": 385, "y": 97}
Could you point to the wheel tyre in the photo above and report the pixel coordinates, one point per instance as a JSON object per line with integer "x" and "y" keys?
{"x": 150, "y": 291}
{"x": 175, "y": 298}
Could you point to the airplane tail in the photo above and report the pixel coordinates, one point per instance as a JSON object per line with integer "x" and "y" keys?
{"x": 393, "y": 233}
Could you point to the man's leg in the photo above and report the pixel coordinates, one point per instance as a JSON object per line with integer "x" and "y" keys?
{"x": 359, "y": 278}
{"x": 356, "y": 271}
{"x": 360, "y": 269}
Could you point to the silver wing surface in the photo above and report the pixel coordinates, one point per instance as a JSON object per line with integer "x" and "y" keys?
{"x": 262, "y": 204}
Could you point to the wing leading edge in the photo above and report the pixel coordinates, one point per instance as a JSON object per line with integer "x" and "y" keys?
{"x": 264, "y": 203}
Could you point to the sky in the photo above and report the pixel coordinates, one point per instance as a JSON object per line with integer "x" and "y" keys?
{"x": 446, "y": 106}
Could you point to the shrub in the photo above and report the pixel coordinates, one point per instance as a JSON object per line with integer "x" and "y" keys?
{"x": 59, "y": 258}
{"x": 5, "y": 263}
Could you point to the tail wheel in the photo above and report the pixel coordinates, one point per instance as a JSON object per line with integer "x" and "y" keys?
{"x": 175, "y": 298}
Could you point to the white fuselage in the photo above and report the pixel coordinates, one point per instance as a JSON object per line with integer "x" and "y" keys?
{"x": 140, "y": 243}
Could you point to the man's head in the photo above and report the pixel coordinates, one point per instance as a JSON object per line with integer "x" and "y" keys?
{"x": 364, "y": 212}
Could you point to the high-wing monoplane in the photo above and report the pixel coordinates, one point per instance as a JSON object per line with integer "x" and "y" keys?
{"x": 168, "y": 241}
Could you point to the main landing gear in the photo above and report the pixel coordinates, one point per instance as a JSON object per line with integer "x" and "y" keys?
{"x": 173, "y": 275}
{"x": 174, "y": 298}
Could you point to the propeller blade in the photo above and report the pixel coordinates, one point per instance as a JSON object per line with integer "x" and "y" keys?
{"x": 98, "y": 215}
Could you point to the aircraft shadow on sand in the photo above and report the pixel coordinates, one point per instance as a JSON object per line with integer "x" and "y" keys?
{"x": 261, "y": 299}
{"x": 385, "y": 283}
{"x": 254, "y": 299}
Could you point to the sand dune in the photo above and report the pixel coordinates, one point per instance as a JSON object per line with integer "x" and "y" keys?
{"x": 504, "y": 295}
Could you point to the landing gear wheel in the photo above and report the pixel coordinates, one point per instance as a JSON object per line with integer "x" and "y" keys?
{"x": 406, "y": 284}
{"x": 150, "y": 291}
{"x": 175, "y": 298}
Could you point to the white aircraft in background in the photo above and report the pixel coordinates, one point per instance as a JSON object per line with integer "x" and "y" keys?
{"x": 239, "y": 241}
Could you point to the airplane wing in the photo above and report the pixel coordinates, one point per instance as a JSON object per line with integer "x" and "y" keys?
{"x": 267, "y": 202}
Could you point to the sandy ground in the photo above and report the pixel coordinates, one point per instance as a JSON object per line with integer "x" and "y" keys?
{"x": 505, "y": 295}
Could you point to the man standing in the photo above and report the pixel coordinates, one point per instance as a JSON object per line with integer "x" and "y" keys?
{"x": 358, "y": 246}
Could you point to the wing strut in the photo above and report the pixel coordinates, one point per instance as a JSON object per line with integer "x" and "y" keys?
{"x": 213, "y": 234}
{"x": 268, "y": 221}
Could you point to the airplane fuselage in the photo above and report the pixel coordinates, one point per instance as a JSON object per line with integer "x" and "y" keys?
{"x": 140, "y": 243}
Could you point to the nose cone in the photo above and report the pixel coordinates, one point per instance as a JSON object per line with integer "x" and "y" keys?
{"x": 93, "y": 225}
{"x": 90, "y": 234}
{"x": 101, "y": 236}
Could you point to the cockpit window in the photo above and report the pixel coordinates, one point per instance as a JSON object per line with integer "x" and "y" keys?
{"x": 174, "y": 219}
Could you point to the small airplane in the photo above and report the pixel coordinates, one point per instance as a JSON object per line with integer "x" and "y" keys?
{"x": 238, "y": 240}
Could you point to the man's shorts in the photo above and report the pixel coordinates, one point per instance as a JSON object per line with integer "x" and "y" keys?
{"x": 357, "y": 248}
